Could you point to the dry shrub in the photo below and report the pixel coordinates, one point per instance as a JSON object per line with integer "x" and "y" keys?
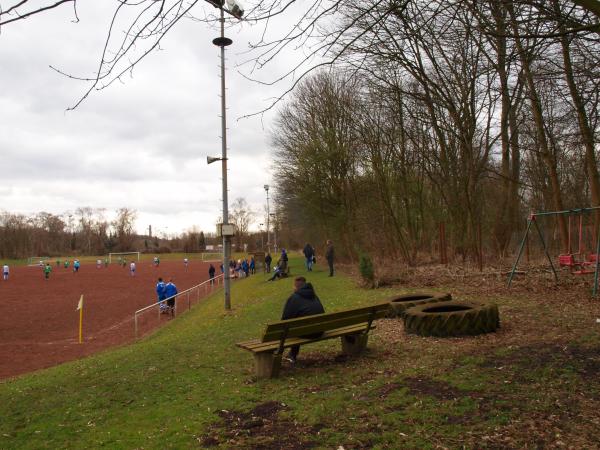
{"x": 390, "y": 272}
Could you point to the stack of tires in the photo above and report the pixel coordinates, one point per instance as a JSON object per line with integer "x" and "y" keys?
{"x": 400, "y": 304}
{"x": 427, "y": 314}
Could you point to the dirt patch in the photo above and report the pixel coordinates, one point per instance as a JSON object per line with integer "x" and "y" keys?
{"x": 260, "y": 428}
{"x": 39, "y": 323}
{"x": 387, "y": 389}
{"x": 434, "y": 388}
{"x": 583, "y": 360}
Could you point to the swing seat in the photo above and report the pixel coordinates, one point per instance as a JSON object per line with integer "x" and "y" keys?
{"x": 567, "y": 261}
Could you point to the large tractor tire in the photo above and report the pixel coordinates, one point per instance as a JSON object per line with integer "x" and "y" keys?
{"x": 455, "y": 318}
{"x": 398, "y": 305}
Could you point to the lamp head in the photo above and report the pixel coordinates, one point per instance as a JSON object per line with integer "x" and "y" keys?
{"x": 211, "y": 159}
{"x": 236, "y": 8}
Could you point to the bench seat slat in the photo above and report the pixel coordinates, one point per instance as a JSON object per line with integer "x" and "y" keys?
{"x": 323, "y": 322}
{"x": 256, "y": 346}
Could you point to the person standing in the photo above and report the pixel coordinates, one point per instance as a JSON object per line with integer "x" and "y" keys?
{"x": 329, "y": 256}
{"x": 160, "y": 293}
{"x": 185, "y": 262}
{"x": 268, "y": 260}
{"x": 309, "y": 254}
{"x": 132, "y": 269}
{"x": 76, "y": 265}
{"x": 170, "y": 293}
{"x": 5, "y": 272}
{"x": 211, "y": 273}
{"x": 98, "y": 264}
{"x": 47, "y": 270}
{"x": 252, "y": 265}
{"x": 303, "y": 302}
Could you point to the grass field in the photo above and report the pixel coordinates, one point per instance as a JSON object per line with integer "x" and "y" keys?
{"x": 143, "y": 257}
{"x": 533, "y": 384}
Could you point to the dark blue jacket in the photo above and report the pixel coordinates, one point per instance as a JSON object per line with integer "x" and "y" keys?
{"x": 308, "y": 251}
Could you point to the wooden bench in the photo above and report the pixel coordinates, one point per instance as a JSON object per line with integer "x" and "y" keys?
{"x": 352, "y": 326}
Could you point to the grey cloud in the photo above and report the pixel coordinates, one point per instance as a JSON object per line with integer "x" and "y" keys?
{"x": 141, "y": 143}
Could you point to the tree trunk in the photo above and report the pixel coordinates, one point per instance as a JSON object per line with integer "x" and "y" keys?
{"x": 538, "y": 118}
{"x": 582, "y": 118}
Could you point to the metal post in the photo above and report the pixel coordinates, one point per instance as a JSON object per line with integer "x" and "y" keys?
{"x": 268, "y": 219}
{"x": 595, "y": 292}
{"x": 514, "y": 268}
{"x": 223, "y": 42}
{"x": 546, "y": 250}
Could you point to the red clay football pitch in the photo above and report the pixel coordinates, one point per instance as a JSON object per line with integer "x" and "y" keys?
{"x": 39, "y": 324}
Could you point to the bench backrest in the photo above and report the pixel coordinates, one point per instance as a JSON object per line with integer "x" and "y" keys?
{"x": 303, "y": 326}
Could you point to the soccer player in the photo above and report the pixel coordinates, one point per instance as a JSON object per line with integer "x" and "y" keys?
{"x": 170, "y": 293}
{"x": 185, "y": 262}
{"x": 5, "y": 272}
{"x": 132, "y": 268}
{"x": 47, "y": 271}
{"x": 98, "y": 264}
{"x": 211, "y": 273}
{"x": 160, "y": 293}
{"x": 76, "y": 265}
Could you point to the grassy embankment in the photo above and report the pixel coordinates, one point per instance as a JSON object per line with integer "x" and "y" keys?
{"x": 534, "y": 383}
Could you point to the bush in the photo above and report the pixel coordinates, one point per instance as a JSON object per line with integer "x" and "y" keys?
{"x": 365, "y": 266}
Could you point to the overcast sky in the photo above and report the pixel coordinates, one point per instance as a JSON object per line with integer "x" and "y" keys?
{"x": 141, "y": 144}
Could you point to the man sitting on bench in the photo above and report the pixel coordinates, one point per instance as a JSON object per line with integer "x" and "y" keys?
{"x": 303, "y": 302}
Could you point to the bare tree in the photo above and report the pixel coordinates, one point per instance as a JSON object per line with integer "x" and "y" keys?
{"x": 241, "y": 216}
{"x": 124, "y": 228}
{"x": 23, "y": 9}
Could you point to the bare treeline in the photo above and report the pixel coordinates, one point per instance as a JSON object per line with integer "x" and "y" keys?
{"x": 466, "y": 115}
{"x": 84, "y": 231}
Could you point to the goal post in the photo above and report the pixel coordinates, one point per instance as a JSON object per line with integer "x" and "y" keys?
{"x": 121, "y": 254}
{"x": 215, "y": 256}
{"x": 35, "y": 260}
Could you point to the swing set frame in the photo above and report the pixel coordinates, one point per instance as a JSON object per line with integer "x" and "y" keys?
{"x": 564, "y": 260}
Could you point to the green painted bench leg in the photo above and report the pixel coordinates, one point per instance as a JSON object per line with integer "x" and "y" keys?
{"x": 354, "y": 344}
{"x": 267, "y": 365}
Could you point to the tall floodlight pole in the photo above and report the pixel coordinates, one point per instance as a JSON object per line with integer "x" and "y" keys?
{"x": 268, "y": 217}
{"x": 222, "y": 41}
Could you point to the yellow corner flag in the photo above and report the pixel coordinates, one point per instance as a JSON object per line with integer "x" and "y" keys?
{"x": 80, "y": 309}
